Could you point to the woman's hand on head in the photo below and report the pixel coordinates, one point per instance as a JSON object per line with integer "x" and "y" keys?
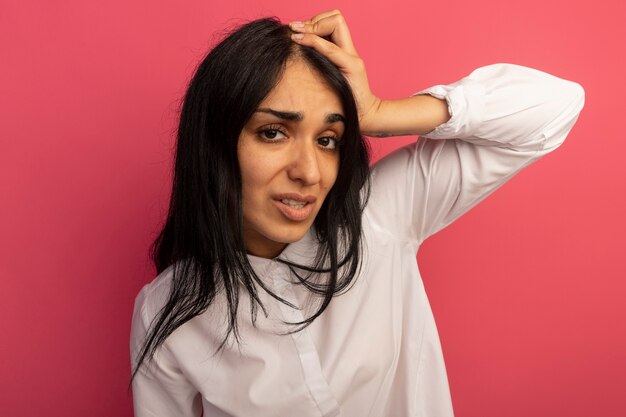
{"x": 415, "y": 115}
{"x": 340, "y": 50}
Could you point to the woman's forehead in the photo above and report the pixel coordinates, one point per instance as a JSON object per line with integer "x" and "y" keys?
{"x": 304, "y": 91}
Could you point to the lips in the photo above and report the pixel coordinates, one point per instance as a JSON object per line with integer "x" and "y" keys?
{"x": 295, "y": 207}
{"x": 293, "y": 203}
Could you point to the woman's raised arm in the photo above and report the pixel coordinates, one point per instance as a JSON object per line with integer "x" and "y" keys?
{"x": 379, "y": 118}
{"x": 504, "y": 117}
{"x": 498, "y": 120}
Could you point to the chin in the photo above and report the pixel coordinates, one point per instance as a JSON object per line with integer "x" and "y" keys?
{"x": 267, "y": 237}
{"x": 288, "y": 234}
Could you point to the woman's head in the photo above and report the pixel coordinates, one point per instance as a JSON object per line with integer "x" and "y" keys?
{"x": 259, "y": 66}
{"x": 288, "y": 155}
{"x": 235, "y": 177}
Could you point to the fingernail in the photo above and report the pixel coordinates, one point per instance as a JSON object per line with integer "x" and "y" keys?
{"x": 296, "y": 25}
{"x": 297, "y": 36}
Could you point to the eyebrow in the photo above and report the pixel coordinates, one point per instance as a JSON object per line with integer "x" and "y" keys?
{"x": 298, "y": 116}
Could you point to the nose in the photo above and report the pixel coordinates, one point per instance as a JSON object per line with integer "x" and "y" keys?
{"x": 304, "y": 165}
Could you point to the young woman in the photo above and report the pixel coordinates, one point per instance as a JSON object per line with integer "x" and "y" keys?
{"x": 287, "y": 280}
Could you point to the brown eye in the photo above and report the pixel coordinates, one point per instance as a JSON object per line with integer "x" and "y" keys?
{"x": 327, "y": 142}
{"x": 270, "y": 134}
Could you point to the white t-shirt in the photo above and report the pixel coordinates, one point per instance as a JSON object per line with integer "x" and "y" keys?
{"x": 375, "y": 350}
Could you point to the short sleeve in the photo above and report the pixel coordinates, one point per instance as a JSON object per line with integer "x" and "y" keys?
{"x": 503, "y": 118}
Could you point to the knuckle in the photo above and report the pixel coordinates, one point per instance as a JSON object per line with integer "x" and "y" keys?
{"x": 338, "y": 18}
{"x": 315, "y": 40}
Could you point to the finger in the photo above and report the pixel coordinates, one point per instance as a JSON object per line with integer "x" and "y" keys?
{"x": 298, "y": 25}
{"x": 323, "y": 15}
{"x": 331, "y": 24}
{"x": 333, "y": 52}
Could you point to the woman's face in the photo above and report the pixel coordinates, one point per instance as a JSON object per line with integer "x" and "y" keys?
{"x": 289, "y": 157}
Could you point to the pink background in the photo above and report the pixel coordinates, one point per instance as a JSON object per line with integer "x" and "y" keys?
{"x": 528, "y": 289}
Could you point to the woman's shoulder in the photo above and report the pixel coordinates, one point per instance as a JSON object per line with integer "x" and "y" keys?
{"x": 205, "y": 329}
{"x": 154, "y": 294}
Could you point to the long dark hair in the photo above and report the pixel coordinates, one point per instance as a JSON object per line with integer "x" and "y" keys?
{"x": 202, "y": 237}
